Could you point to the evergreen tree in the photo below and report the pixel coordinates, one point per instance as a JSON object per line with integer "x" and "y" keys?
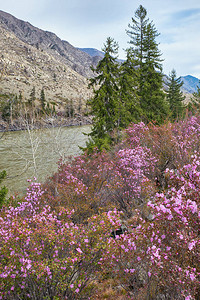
{"x": 3, "y": 190}
{"x": 104, "y": 105}
{"x": 147, "y": 60}
{"x": 42, "y": 100}
{"x": 136, "y": 33}
{"x": 175, "y": 96}
{"x": 32, "y": 97}
{"x": 10, "y": 109}
{"x": 20, "y": 97}
{"x": 129, "y": 104}
{"x": 196, "y": 95}
{"x": 194, "y": 105}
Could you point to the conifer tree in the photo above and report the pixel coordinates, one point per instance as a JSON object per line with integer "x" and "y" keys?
{"x": 130, "y": 110}
{"x": 196, "y": 94}
{"x": 20, "y": 97}
{"x": 3, "y": 190}
{"x": 32, "y": 97}
{"x": 175, "y": 96}
{"x": 42, "y": 100}
{"x": 137, "y": 37}
{"x": 104, "y": 105}
{"x": 147, "y": 60}
{"x": 194, "y": 105}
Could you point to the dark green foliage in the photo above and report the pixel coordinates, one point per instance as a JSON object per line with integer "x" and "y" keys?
{"x": 42, "y": 100}
{"x": 6, "y": 111}
{"x": 132, "y": 91}
{"x": 10, "y": 109}
{"x": 32, "y": 97}
{"x": 137, "y": 37}
{"x": 105, "y": 103}
{"x": 3, "y": 190}
{"x": 54, "y": 110}
{"x": 129, "y": 104}
{"x": 194, "y": 105}
{"x": 175, "y": 96}
{"x": 146, "y": 57}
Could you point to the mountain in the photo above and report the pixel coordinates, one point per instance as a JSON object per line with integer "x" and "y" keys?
{"x": 96, "y": 54}
{"x": 92, "y": 52}
{"x": 31, "y": 57}
{"x": 23, "y": 67}
{"x": 190, "y": 84}
{"x": 47, "y": 41}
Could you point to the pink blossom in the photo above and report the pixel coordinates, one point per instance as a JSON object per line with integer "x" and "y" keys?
{"x": 191, "y": 245}
{"x": 126, "y": 270}
{"x": 79, "y": 250}
{"x": 28, "y": 266}
{"x": 192, "y": 276}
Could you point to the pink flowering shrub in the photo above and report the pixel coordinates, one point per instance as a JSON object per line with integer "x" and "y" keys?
{"x": 105, "y": 180}
{"x": 81, "y": 185}
{"x": 162, "y": 256}
{"x": 172, "y": 144}
{"x": 45, "y": 255}
{"x": 129, "y": 186}
{"x": 57, "y": 242}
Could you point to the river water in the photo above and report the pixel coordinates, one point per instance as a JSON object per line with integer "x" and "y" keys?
{"x": 25, "y": 155}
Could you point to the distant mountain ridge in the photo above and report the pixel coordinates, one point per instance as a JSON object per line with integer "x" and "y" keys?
{"x": 92, "y": 52}
{"x": 96, "y": 54}
{"x": 190, "y": 84}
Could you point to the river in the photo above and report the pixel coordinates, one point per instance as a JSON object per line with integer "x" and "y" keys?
{"x": 25, "y": 155}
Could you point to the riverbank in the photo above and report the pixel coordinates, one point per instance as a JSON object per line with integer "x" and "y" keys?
{"x": 48, "y": 122}
{"x": 36, "y": 153}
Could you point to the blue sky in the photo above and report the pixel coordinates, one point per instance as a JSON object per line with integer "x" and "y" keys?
{"x": 87, "y": 23}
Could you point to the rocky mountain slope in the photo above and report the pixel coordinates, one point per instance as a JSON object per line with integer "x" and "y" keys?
{"x": 50, "y": 43}
{"x": 24, "y": 66}
{"x": 190, "y": 84}
{"x": 31, "y": 57}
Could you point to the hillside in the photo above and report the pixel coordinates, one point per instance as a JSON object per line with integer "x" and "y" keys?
{"x": 31, "y": 57}
{"x": 47, "y": 41}
{"x": 24, "y": 66}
